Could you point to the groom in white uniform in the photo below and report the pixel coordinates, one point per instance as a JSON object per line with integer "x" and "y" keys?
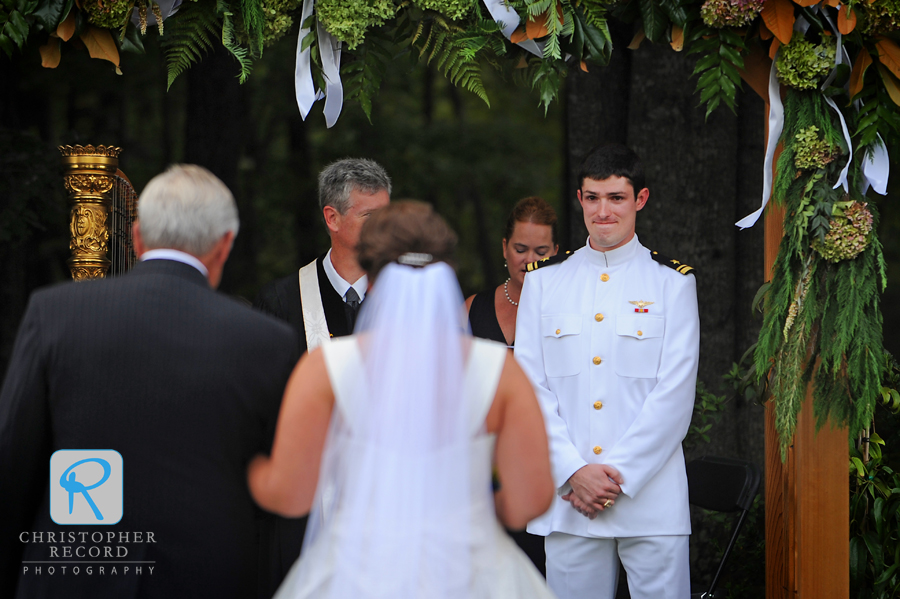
{"x": 610, "y": 338}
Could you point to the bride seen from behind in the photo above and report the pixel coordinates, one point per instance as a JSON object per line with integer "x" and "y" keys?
{"x": 389, "y": 436}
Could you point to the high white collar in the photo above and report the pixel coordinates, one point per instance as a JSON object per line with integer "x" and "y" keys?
{"x": 338, "y": 282}
{"x": 177, "y": 256}
{"x": 615, "y": 257}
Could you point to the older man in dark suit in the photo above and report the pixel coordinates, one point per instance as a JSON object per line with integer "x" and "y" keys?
{"x": 184, "y": 383}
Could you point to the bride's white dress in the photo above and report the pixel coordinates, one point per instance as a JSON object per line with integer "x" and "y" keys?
{"x": 464, "y": 548}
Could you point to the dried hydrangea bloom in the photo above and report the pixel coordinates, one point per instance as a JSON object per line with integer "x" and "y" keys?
{"x": 110, "y": 14}
{"x": 455, "y": 9}
{"x": 348, "y": 21}
{"x": 730, "y": 13}
{"x": 881, "y": 17}
{"x": 811, "y": 152}
{"x": 801, "y": 64}
{"x": 849, "y": 234}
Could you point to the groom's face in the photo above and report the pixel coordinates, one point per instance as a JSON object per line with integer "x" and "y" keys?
{"x": 347, "y": 226}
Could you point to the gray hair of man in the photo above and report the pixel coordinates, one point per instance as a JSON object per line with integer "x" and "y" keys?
{"x": 186, "y": 208}
{"x": 339, "y": 178}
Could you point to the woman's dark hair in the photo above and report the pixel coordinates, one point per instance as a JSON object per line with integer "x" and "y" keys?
{"x": 612, "y": 160}
{"x": 403, "y": 227}
{"x": 531, "y": 210}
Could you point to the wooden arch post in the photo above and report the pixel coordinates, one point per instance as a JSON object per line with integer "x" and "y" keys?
{"x": 807, "y": 496}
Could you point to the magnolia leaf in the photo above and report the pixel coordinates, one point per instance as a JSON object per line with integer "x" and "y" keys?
{"x": 67, "y": 28}
{"x": 518, "y": 35}
{"x": 846, "y": 21}
{"x": 764, "y": 33}
{"x": 756, "y": 71}
{"x": 833, "y": 3}
{"x": 773, "y": 48}
{"x": 537, "y": 27}
{"x": 49, "y": 13}
{"x": 863, "y": 62}
{"x": 50, "y": 53}
{"x": 637, "y": 39}
{"x": 100, "y": 45}
{"x": 583, "y": 66}
{"x": 889, "y": 55}
{"x": 890, "y": 84}
{"x": 805, "y": 3}
{"x": 654, "y": 19}
{"x": 677, "y": 42}
{"x": 860, "y": 469}
{"x": 779, "y": 18}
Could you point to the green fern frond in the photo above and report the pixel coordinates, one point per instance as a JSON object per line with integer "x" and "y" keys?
{"x": 254, "y": 23}
{"x": 243, "y": 55}
{"x": 189, "y": 36}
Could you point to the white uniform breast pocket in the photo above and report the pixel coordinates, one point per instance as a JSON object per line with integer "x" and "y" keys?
{"x": 639, "y": 341}
{"x": 561, "y": 338}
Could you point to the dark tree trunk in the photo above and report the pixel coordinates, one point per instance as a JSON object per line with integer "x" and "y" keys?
{"x": 703, "y": 175}
{"x": 215, "y": 137}
{"x": 597, "y": 108}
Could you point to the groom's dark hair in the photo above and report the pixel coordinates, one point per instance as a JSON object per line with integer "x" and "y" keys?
{"x": 612, "y": 160}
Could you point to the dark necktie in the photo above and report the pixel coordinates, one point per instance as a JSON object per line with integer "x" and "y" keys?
{"x": 352, "y": 298}
{"x": 351, "y": 307}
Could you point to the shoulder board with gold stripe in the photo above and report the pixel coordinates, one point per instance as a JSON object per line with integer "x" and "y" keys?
{"x": 672, "y": 263}
{"x": 548, "y": 261}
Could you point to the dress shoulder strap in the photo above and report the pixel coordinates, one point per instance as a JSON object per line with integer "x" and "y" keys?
{"x": 483, "y": 370}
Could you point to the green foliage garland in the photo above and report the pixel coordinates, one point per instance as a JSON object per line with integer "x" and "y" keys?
{"x": 822, "y": 319}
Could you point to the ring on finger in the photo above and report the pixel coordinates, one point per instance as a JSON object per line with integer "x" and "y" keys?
{"x": 606, "y": 503}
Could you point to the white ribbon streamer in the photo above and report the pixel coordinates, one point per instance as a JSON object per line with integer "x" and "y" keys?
{"x": 842, "y": 180}
{"x": 876, "y": 168}
{"x": 838, "y": 60}
{"x": 509, "y": 20}
{"x": 776, "y": 124}
{"x": 303, "y": 81}
{"x": 330, "y": 51}
{"x": 304, "y": 88}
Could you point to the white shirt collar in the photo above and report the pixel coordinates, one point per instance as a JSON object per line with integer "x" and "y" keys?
{"x": 177, "y": 256}
{"x": 615, "y": 257}
{"x": 339, "y": 284}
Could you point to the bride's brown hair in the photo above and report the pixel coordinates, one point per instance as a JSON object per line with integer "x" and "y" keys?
{"x": 402, "y": 227}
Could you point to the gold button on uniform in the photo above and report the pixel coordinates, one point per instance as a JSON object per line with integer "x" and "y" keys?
{"x": 604, "y": 277}
{"x": 597, "y": 360}
{"x": 640, "y": 333}
{"x": 598, "y": 405}
{"x": 597, "y": 449}
{"x": 557, "y": 331}
{"x": 598, "y": 317}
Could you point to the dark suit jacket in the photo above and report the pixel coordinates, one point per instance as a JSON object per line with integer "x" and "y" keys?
{"x": 185, "y": 384}
{"x": 281, "y": 298}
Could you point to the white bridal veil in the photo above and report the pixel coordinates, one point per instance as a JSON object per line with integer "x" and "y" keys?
{"x": 396, "y": 488}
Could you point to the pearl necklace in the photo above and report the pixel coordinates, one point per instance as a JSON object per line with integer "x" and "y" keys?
{"x": 506, "y": 291}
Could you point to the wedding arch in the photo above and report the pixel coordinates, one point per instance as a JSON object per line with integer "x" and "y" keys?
{"x": 829, "y": 72}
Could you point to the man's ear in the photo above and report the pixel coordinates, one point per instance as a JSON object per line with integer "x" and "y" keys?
{"x": 642, "y": 197}
{"x": 332, "y": 218}
{"x": 137, "y": 239}
{"x": 580, "y": 201}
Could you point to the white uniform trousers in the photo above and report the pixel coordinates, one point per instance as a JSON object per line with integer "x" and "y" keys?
{"x": 588, "y": 568}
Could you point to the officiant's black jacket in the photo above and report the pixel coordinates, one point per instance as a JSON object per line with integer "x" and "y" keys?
{"x": 281, "y": 298}
{"x": 185, "y": 383}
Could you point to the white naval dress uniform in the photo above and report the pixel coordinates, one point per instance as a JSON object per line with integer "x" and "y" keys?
{"x": 616, "y": 384}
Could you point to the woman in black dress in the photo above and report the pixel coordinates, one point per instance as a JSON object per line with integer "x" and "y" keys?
{"x": 530, "y": 235}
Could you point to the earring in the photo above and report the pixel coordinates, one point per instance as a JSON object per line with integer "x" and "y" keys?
{"x": 505, "y": 265}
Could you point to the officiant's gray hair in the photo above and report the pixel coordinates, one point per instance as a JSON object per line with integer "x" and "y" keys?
{"x": 339, "y": 178}
{"x": 186, "y": 208}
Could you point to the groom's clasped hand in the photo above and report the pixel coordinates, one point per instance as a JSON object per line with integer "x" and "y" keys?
{"x": 594, "y": 489}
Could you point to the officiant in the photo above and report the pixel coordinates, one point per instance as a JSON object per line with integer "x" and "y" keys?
{"x": 322, "y": 300}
